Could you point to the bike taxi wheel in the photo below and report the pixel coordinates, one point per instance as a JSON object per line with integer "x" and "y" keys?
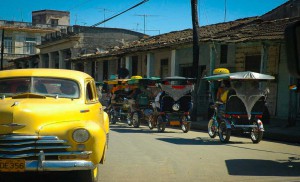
{"x": 151, "y": 121}
{"x": 224, "y": 132}
{"x": 129, "y": 119}
{"x": 185, "y": 124}
{"x": 112, "y": 117}
{"x": 255, "y": 134}
{"x": 212, "y": 128}
{"x": 161, "y": 125}
{"x": 135, "y": 120}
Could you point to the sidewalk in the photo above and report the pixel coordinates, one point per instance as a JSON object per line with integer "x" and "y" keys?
{"x": 276, "y": 130}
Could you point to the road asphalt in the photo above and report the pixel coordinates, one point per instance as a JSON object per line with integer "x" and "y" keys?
{"x": 275, "y": 130}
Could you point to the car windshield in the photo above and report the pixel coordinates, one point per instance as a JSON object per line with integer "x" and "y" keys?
{"x": 39, "y": 85}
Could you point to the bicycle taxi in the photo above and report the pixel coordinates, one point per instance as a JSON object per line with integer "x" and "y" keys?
{"x": 118, "y": 108}
{"x": 173, "y": 104}
{"x": 244, "y": 107}
{"x": 145, "y": 90}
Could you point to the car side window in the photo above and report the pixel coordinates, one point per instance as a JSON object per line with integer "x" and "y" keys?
{"x": 90, "y": 95}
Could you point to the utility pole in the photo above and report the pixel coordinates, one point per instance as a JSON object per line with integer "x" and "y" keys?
{"x": 194, "y": 6}
{"x": 2, "y": 48}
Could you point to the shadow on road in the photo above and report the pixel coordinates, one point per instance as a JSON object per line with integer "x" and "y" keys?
{"x": 261, "y": 150}
{"x": 131, "y": 129}
{"x": 197, "y": 141}
{"x": 38, "y": 177}
{"x": 256, "y": 167}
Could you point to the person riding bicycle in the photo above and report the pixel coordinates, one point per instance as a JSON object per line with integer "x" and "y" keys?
{"x": 222, "y": 93}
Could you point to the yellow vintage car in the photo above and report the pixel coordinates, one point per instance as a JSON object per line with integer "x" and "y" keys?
{"x": 51, "y": 120}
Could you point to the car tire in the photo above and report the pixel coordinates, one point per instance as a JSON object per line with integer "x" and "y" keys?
{"x": 89, "y": 175}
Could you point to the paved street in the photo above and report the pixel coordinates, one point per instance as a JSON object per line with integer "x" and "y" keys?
{"x": 139, "y": 154}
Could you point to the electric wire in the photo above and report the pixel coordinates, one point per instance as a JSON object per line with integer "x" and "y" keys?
{"x": 140, "y": 3}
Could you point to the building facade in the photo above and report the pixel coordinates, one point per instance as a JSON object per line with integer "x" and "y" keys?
{"x": 249, "y": 44}
{"x": 78, "y": 41}
{"x": 21, "y": 38}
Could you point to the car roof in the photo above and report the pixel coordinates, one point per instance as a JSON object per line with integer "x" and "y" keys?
{"x": 45, "y": 72}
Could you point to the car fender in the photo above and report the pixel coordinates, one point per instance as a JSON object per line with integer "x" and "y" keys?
{"x": 65, "y": 129}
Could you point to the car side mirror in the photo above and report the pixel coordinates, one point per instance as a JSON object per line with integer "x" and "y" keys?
{"x": 292, "y": 40}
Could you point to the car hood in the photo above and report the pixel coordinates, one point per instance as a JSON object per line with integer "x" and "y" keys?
{"x": 28, "y": 116}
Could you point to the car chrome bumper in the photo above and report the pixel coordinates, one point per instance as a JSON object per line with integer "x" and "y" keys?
{"x": 57, "y": 165}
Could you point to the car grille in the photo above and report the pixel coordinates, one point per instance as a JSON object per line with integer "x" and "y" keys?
{"x": 28, "y": 147}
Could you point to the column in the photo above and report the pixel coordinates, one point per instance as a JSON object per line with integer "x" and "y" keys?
{"x": 128, "y": 64}
{"x": 30, "y": 63}
{"x": 150, "y": 65}
{"x": 264, "y": 58}
{"x": 212, "y": 64}
{"x": 99, "y": 70}
{"x": 51, "y": 60}
{"x": 88, "y": 67}
{"x": 41, "y": 62}
{"x": 61, "y": 60}
{"x": 173, "y": 63}
{"x": 212, "y": 58}
{"x": 73, "y": 64}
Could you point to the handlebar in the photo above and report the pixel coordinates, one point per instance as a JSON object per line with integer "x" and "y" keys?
{"x": 219, "y": 103}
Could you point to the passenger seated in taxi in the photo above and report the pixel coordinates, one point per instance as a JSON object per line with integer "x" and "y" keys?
{"x": 68, "y": 89}
{"x": 224, "y": 91}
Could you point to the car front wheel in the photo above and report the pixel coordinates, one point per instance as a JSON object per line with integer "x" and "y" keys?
{"x": 89, "y": 175}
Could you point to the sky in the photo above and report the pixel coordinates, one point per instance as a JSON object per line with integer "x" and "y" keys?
{"x": 152, "y": 17}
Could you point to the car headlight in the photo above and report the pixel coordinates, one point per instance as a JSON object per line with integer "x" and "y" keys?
{"x": 81, "y": 135}
{"x": 176, "y": 107}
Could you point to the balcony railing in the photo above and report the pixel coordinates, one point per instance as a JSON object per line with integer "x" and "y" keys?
{"x": 30, "y": 25}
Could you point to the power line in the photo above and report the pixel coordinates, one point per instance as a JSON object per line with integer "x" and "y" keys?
{"x": 142, "y": 2}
